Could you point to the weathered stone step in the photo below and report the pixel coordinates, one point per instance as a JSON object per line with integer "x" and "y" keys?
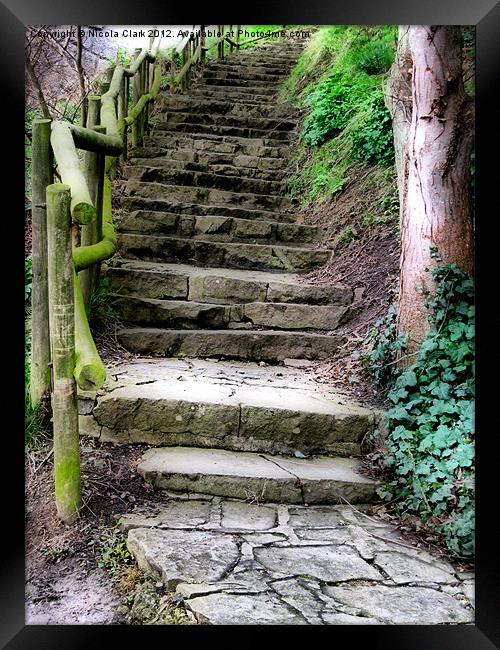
{"x": 241, "y": 84}
{"x": 216, "y": 228}
{"x": 245, "y": 108}
{"x": 223, "y": 286}
{"x": 248, "y": 76}
{"x": 210, "y": 195}
{"x": 239, "y": 406}
{"x": 250, "y": 67}
{"x": 185, "y": 147}
{"x": 216, "y": 164}
{"x": 272, "y": 346}
{"x": 266, "y": 146}
{"x": 219, "y": 129}
{"x": 241, "y": 474}
{"x": 232, "y": 183}
{"x": 231, "y": 93}
{"x": 242, "y": 121}
{"x": 188, "y": 314}
{"x": 261, "y": 257}
{"x": 131, "y": 203}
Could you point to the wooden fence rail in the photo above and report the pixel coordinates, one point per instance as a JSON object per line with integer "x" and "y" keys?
{"x": 73, "y": 233}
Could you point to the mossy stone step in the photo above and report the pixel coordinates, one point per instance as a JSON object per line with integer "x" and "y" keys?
{"x": 240, "y": 406}
{"x": 201, "y": 253}
{"x": 131, "y": 203}
{"x": 216, "y": 228}
{"x": 259, "y": 122}
{"x": 188, "y": 314}
{"x": 273, "y": 346}
{"x": 216, "y": 129}
{"x": 256, "y": 168}
{"x": 233, "y": 182}
{"x": 209, "y": 195}
{"x": 274, "y": 478}
{"x": 219, "y": 285}
{"x": 258, "y": 146}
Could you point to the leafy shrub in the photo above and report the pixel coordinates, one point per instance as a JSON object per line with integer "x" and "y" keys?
{"x": 331, "y": 105}
{"x": 28, "y": 281}
{"x": 376, "y": 57}
{"x": 386, "y": 344}
{"x": 431, "y": 439}
{"x": 372, "y": 140}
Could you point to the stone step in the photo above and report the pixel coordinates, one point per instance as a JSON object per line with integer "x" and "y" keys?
{"x": 219, "y": 129}
{"x": 236, "y": 65}
{"x": 260, "y": 257}
{"x": 185, "y": 147}
{"x": 239, "y": 406}
{"x": 248, "y": 76}
{"x": 222, "y": 286}
{"x": 233, "y": 93}
{"x": 265, "y": 147}
{"x": 131, "y": 203}
{"x": 272, "y": 346}
{"x": 241, "y": 475}
{"x": 189, "y": 314}
{"x": 209, "y": 195}
{"x": 186, "y": 177}
{"x": 252, "y": 85}
{"x": 181, "y": 103}
{"x": 216, "y": 228}
{"x": 261, "y": 168}
{"x": 241, "y": 121}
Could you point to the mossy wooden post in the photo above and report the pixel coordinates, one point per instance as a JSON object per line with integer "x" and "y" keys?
{"x": 238, "y": 28}
{"x": 172, "y": 71}
{"x": 231, "y": 47}
{"x": 136, "y": 96}
{"x": 126, "y": 90}
{"x": 145, "y": 123}
{"x": 220, "y": 46}
{"x": 202, "y": 43}
{"x": 62, "y": 333}
{"x": 89, "y": 235}
{"x": 41, "y": 176}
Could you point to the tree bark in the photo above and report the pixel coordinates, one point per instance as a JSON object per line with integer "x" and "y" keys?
{"x": 436, "y": 209}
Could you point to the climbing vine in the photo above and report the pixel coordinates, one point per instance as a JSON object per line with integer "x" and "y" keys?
{"x": 431, "y": 420}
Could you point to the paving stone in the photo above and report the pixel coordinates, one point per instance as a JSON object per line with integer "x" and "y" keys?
{"x": 403, "y": 568}
{"x": 326, "y": 563}
{"x": 259, "y": 609}
{"x": 298, "y": 596}
{"x": 176, "y": 514}
{"x": 247, "y": 582}
{"x": 183, "y": 555}
{"x": 247, "y": 517}
{"x": 337, "y": 618}
{"x": 402, "y": 605}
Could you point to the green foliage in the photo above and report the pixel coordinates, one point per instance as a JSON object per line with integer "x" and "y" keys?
{"x": 375, "y": 57}
{"x": 115, "y": 555}
{"x": 36, "y": 424}
{"x": 372, "y": 140}
{"x": 340, "y": 79}
{"x": 102, "y": 306}
{"x": 431, "y": 421}
{"x": 28, "y": 281}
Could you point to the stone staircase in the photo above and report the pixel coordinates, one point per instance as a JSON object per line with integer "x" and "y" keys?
{"x": 208, "y": 284}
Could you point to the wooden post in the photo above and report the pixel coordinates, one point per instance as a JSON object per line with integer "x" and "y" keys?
{"x": 230, "y": 44}
{"x": 136, "y": 96}
{"x": 89, "y": 235}
{"x": 41, "y": 176}
{"x": 62, "y": 334}
{"x": 222, "y": 43}
{"x": 238, "y": 27}
{"x": 202, "y": 43}
{"x": 126, "y": 91}
{"x": 146, "y": 90}
{"x": 172, "y": 71}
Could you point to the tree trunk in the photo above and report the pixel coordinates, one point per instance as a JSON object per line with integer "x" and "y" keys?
{"x": 436, "y": 208}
